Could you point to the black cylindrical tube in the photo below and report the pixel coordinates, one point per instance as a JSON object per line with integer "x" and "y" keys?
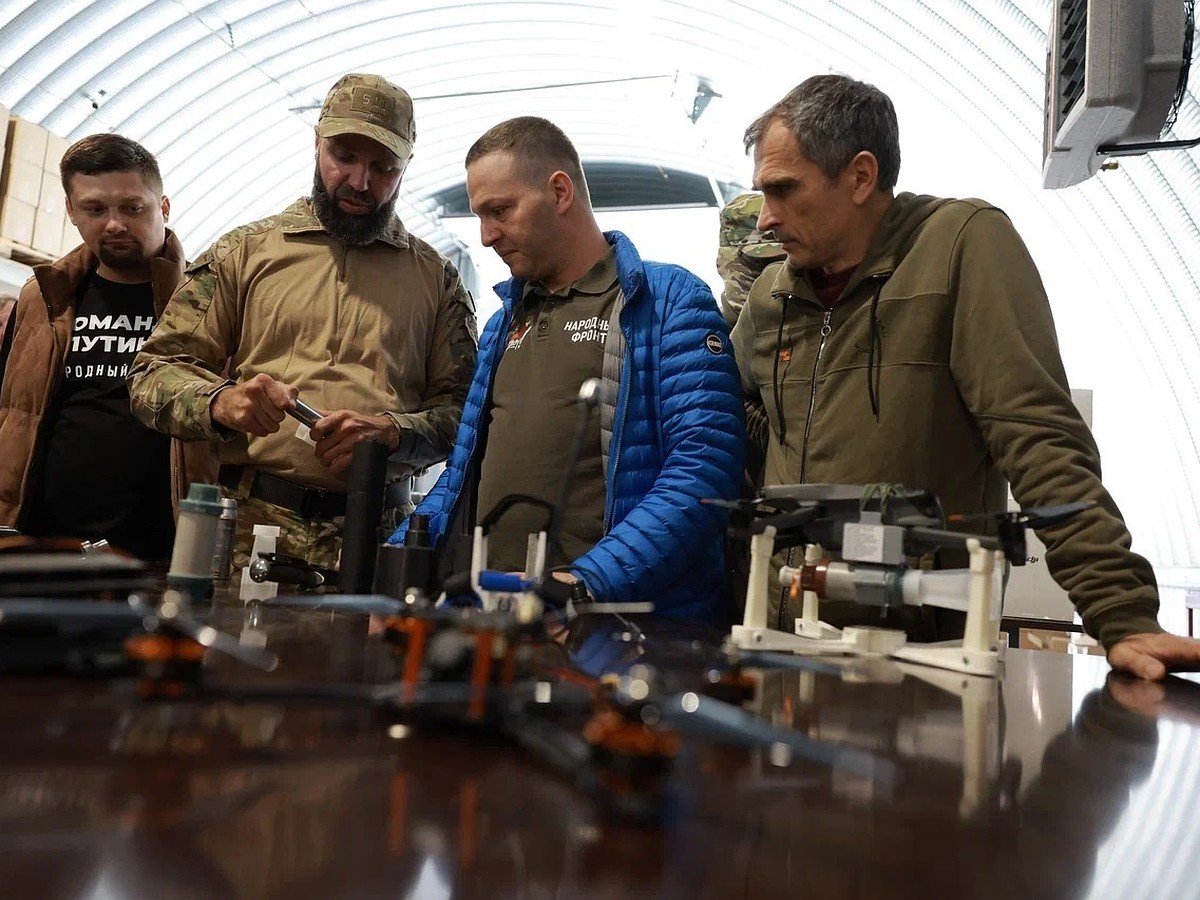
{"x": 364, "y": 508}
{"x": 418, "y": 531}
{"x": 408, "y": 565}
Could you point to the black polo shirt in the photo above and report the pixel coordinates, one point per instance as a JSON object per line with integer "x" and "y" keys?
{"x": 556, "y": 342}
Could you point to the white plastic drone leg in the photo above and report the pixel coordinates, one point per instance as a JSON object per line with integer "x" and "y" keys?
{"x": 983, "y": 610}
{"x": 758, "y": 587}
{"x": 753, "y": 633}
{"x": 980, "y": 652}
{"x": 527, "y": 605}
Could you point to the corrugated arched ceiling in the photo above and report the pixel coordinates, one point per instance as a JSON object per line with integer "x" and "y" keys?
{"x": 225, "y": 93}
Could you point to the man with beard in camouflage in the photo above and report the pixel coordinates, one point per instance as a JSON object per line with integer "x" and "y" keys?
{"x": 333, "y": 302}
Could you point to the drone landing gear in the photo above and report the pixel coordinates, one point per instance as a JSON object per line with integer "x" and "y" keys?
{"x": 980, "y": 652}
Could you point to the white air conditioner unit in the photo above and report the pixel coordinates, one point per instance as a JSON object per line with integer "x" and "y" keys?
{"x": 1112, "y": 71}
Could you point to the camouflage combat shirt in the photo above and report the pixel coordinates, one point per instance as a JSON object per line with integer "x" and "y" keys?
{"x": 386, "y": 328}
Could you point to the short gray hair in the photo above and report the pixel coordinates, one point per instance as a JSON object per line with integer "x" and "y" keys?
{"x": 833, "y": 118}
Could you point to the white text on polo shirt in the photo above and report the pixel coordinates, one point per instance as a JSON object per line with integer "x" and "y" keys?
{"x": 593, "y": 329}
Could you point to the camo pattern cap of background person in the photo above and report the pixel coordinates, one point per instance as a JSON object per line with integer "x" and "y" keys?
{"x": 743, "y": 252}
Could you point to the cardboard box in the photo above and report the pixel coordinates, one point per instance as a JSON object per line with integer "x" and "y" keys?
{"x": 51, "y": 198}
{"x": 22, "y": 181}
{"x": 47, "y": 232}
{"x": 27, "y": 141}
{"x": 55, "y": 148}
{"x": 16, "y": 221}
{"x": 1059, "y": 641}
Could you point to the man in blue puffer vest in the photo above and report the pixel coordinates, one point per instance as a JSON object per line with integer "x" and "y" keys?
{"x": 582, "y": 304}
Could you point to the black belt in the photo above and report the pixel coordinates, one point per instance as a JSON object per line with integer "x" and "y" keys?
{"x": 306, "y": 502}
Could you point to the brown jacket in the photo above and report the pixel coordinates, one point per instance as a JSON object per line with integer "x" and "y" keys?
{"x": 939, "y": 369}
{"x": 43, "y": 320}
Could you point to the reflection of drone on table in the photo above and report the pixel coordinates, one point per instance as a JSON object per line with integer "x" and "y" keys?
{"x": 485, "y": 659}
{"x": 615, "y": 732}
{"x": 877, "y": 529}
{"x": 966, "y": 733}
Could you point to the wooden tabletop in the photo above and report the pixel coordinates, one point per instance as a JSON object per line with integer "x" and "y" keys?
{"x": 1060, "y": 780}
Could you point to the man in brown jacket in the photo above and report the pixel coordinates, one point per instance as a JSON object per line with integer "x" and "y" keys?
{"x": 332, "y": 302}
{"x": 75, "y": 462}
{"x": 909, "y": 340}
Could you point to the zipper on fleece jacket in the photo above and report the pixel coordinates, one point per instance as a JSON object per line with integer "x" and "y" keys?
{"x": 826, "y": 328}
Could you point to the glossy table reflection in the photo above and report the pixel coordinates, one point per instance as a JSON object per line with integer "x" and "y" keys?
{"x": 1060, "y": 781}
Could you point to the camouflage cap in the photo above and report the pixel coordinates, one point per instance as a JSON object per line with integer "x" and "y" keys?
{"x": 743, "y": 252}
{"x": 372, "y": 106}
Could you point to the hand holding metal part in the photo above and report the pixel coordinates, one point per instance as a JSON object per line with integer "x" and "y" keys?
{"x": 256, "y": 406}
{"x": 304, "y": 413}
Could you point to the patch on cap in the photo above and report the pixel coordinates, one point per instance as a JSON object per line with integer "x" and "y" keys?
{"x": 372, "y": 106}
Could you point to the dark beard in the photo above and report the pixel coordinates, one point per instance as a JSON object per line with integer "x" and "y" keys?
{"x": 122, "y": 260}
{"x": 356, "y": 231}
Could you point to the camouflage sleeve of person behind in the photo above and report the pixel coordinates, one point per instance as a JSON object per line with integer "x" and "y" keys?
{"x": 742, "y": 252}
{"x": 173, "y": 378}
{"x": 427, "y": 434}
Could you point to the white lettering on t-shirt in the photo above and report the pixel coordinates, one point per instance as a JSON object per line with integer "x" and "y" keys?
{"x": 103, "y": 346}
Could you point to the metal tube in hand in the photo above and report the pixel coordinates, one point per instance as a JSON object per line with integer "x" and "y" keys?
{"x": 364, "y": 508}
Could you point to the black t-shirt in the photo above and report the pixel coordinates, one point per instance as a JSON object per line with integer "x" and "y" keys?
{"x": 102, "y": 474}
{"x": 555, "y": 343}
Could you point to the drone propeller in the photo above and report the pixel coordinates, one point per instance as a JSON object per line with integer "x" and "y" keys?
{"x": 708, "y": 718}
{"x": 1011, "y": 525}
{"x": 174, "y": 613}
{"x": 1034, "y": 517}
{"x": 366, "y": 604}
{"x": 744, "y": 505}
{"x": 715, "y": 720}
{"x": 88, "y": 635}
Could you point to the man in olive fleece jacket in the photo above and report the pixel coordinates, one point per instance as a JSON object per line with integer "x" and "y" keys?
{"x": 909, "y": 339}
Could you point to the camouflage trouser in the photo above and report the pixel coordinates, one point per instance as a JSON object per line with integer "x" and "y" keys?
{"x": 317, "y": 541}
